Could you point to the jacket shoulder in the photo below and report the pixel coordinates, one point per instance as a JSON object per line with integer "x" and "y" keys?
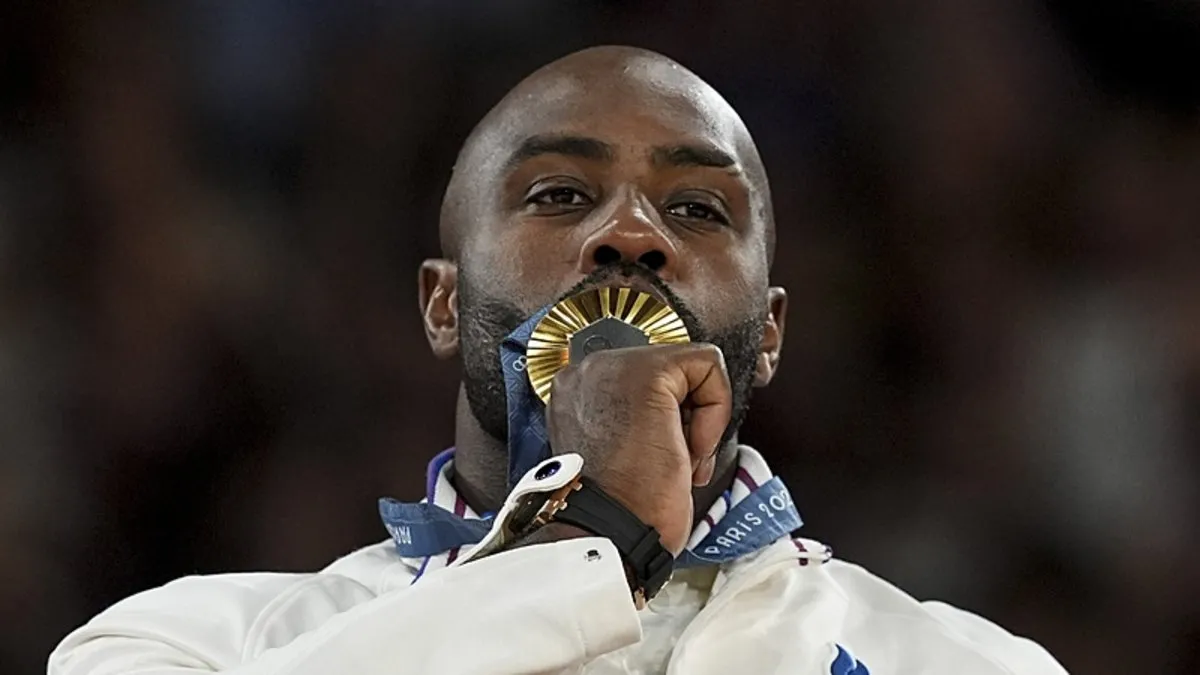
{"x": 222, "y": 620}
{"x": 883, "y": 623}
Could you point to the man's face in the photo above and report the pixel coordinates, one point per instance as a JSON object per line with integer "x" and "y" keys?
{"x": 639, "y": 179}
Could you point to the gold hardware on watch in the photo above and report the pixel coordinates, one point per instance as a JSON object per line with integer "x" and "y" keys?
{"x": 557, "y": 501}
{"x": 639, "y": 599}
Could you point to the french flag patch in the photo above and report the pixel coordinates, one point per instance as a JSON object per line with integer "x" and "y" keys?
{"x": 845, "y": 664}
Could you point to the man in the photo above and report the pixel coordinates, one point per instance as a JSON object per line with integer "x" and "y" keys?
{"x": 611, "y": 168}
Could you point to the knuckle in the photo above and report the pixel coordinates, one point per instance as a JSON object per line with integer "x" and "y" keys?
{"x": 705, "y": 351}
{"x": 661, "y": 380}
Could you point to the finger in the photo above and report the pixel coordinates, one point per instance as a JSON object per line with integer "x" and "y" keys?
{"x": 701, "y": 379}
{"x": 713, "y": 404}
{"x": 703, "y": 472}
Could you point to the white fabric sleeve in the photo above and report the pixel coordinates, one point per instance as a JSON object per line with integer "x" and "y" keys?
{"x": 1018, "y": 654}
{"x": 539, "y": 608}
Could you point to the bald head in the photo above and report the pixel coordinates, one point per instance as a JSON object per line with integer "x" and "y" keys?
{"x": 616, "y": 167}
{"x": 569, "y": 96}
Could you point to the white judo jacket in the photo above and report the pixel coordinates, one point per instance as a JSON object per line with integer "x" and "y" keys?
{"x": 563, "y": 607}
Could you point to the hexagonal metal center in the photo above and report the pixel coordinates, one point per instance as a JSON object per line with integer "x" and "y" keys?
{"x": 607, "y": 333}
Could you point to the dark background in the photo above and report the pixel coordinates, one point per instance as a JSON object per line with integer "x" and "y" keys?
{"x": 212, "y": 211}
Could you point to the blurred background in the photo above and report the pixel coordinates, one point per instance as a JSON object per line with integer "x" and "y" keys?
{"x": 212, "y": 211}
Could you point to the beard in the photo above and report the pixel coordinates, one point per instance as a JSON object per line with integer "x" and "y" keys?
{"x": 485, "y": 321}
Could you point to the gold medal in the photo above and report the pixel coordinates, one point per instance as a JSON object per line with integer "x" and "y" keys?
{"x": 601, "y": 318}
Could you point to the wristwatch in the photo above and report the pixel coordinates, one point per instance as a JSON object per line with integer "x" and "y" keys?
{"x": 557, "y": 491}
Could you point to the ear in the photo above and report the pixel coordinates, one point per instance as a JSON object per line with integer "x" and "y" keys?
{"x": 438, "y": 284}
{"x": 772, "y": 341}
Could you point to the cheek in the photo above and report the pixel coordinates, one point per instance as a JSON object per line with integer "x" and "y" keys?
{"x": 524, "y": 267}
{"x": 726, "y": 277}
{"x": 725, "y": 290}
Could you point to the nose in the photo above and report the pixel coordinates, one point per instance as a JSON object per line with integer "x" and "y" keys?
{"x": 632, "y": 233}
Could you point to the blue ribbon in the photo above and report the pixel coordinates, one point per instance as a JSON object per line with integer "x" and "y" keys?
{"x": 763, "y": 517}
{"x": 528, "y": 442}
{"x": 423, "y": 529}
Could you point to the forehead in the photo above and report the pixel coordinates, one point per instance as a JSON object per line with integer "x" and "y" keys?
{"x": 638, "y": 103}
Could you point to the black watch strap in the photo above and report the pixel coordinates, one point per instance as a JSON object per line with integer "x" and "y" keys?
{"x": 591, "y": 509}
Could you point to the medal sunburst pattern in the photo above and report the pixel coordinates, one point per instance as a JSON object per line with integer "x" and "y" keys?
{"x": 549, "y": 346}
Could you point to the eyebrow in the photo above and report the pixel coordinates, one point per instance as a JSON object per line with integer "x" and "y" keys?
{"x": 583, "y": 147}
{"x": 571, "y": 146}
{"x": 692, "y": 155}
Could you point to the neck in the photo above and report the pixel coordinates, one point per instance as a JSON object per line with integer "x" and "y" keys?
{"x": 480, "y": 461}
{"x": 481, "y": 466}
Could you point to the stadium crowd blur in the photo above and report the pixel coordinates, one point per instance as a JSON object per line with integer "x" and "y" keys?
{"x": 211, "y": 213}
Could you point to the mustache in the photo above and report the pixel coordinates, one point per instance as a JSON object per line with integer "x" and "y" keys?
{"x": 488, "y": 319}
{"x": 607, "y": 273}
{"x": 601, "y": 275}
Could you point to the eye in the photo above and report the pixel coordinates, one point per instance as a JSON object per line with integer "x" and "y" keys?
{"x": 559, "y": 196}
{"x": 697, "y": 211}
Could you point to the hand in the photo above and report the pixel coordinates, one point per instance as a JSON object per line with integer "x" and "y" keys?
{"x": 648, "y": 422}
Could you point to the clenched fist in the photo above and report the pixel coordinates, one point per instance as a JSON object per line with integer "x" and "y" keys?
{"x": 648, "y": 422}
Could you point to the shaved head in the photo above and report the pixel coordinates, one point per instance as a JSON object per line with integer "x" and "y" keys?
{"x": 592, "y": 77}
{"x": 610, "y": 166}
